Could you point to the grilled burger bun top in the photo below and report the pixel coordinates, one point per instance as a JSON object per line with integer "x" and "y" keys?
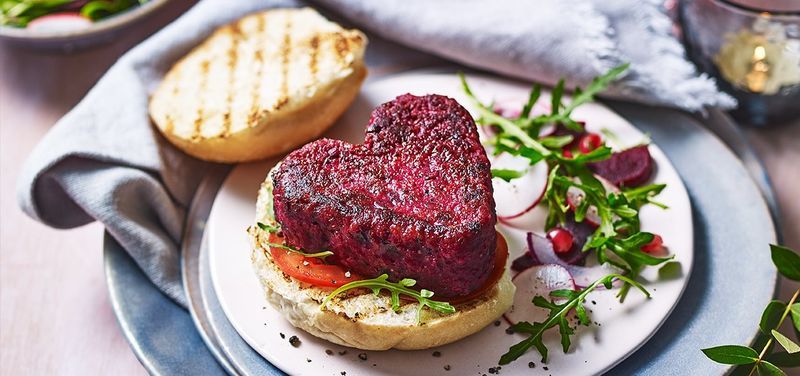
{"x": 367, "y": 321}
{"x": 260, "y": 86}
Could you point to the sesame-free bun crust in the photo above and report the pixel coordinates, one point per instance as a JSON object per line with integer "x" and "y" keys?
{"x": 260, "y": 86}
{"x": 367, "y": 321}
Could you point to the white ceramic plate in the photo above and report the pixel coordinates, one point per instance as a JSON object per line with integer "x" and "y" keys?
{"x": 624, "y": 327}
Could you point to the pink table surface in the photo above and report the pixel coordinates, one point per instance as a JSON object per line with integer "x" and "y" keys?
{"x": 55, "y": 316}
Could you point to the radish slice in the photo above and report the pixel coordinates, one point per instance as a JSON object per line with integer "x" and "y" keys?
{"x": 547, "y": 130}
{"x": 542, "y": 251}
{"x": 585, "y": 276}
{"x": 532, "y": 219}
{"x": 538, "y": 280}
{"x": 60, "y": 22}
{"x": 518, "y": 196}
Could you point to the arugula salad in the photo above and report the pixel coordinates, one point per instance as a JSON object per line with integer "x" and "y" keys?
{"x": 593, "y": 196}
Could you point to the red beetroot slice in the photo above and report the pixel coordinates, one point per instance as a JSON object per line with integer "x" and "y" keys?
{"x": 629, "y": 168}
{"x": 413, "y": 201}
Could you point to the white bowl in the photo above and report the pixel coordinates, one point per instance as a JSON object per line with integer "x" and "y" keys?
{"x": 100, "y": 31}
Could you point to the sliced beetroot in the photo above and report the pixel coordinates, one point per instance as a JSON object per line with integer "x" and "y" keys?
{"x": 630, "y": 168}
{"x": 580, "y": 233}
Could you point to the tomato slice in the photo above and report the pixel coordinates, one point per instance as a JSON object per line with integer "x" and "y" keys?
{"x": 313, "y": 271}
{"x": 500, "y": 258}
{"x": 310, "y": 270}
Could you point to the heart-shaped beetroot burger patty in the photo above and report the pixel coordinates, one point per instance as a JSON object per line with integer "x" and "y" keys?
{"x": 413, "y": 201}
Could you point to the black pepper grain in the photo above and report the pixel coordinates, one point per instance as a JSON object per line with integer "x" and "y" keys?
{"x": 362, "y": 356}
{"x": 343, "y": 373}
{"x": 545, "y": 368}
{"x": 308, "y": 360}
{"x": 446, "y": 367}
{"x": 437, "y": 354}
{"x": 343, "y": 352}
{"x": 294, "y": 341}
{"x": 531, "y": 365}
{"x": 497, "y": 323}
{"x": 509, "y": 330}
{"x": 283, "y": 336}
{"x": 494, "y": 370}
{"x": 329, "y": 351}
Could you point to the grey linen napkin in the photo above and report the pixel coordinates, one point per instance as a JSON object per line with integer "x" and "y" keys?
{"x": 104, "y": 161}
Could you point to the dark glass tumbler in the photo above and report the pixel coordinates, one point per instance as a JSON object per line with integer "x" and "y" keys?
{"x": 752, "y": 47}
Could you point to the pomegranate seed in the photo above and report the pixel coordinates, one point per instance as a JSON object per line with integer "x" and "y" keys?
{"x": 561, "y": 239}
{"x": 566, "y": 153}
{"x": 590, "y": 142}
{"x": 654, "y": 244}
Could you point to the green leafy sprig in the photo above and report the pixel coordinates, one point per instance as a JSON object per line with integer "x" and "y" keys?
{"x": 574, "y": 300}
{"x": 276, "y": 229}
{"x": 764, "y": 362}
{"x": 395, "y": 289}
{"x": 560, "y": 112}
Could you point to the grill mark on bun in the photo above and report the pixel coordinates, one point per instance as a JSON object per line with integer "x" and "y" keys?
{"x": 198, "y": 120}
{"x": 312, "y": 65}
{"x": 258, "y": 55}
{"x": 233, "y": 59}
{"x": 286, "y": 51}
{"x": 341, "y": 48}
